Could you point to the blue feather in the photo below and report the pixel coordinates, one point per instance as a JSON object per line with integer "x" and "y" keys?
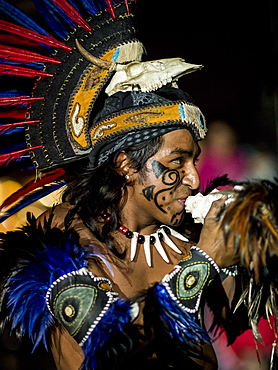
{"x": 51, "y": 18}
{"x": 12, "y": 148}
{"x": 11, "y": 129}
{"x": 113, "y": 322}
{"x": 77, "y": 6}
{"x": 10, "y": 93}
{"x": 29, "y": 285}
{"x": 20, "y": 17}
{"x": 31, "y": 198}
{"x": 103, "y": 258}
{"x": 92, "y": 7}
{"x": 23, "y": 163}
{"x": 180, "y": 323}
{"x": 50, "y": 7}
{"x": 29, "y": 65}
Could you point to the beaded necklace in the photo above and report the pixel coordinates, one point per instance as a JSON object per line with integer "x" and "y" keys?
{"x": 147, "y": 240}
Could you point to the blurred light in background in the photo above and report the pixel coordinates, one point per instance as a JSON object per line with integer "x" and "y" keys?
{"x": 8, "y": 186}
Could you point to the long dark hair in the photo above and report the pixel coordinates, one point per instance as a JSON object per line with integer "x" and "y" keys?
{"x": 101, "y": 190}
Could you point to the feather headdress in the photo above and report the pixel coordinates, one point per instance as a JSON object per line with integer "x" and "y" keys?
{"x": 63, "y": 75}
{"x": 37, "y": 67}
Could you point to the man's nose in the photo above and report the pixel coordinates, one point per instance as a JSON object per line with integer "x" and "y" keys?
{"x": 191, "y": 178}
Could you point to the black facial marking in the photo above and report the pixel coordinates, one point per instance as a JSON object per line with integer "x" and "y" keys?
{"x": 176, "y": 218}
{"x": 148, "y": 192}
{"x": 158, "y": 168}
{"x": 170, "y": 178}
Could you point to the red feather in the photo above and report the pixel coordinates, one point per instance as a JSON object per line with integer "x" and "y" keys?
{"x": 111, "y": 8}
{"x": 10, "y": 126}
{"x": 17, "y": 100}
{"x": 12, "y": 39}
{"x": 9, "y": 157}
{"x": 21, "y": 71}
{"x": 127, "y": 7}
{"x": 73, "y": 14}
{"x": 32, "y": 185}
{"x": 24, "y": 32}
{"x": 13, "y": 113}
{"x": 16, "y": 54}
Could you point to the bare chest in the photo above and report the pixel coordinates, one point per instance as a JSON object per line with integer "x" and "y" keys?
{"x": 133, "y": 278}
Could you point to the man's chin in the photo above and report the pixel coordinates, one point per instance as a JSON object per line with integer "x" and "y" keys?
{"x": 177, "y": 219}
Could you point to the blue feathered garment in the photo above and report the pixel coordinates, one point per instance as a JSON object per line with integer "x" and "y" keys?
{"x": 181, "y": 324}
{"x": 28, "y": 286}
{"x": 33, "y": 280}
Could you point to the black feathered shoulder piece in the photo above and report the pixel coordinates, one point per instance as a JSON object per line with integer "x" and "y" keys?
{"x": 23, "y": 243}
{"x": 45, "y": 280}
{"x": 21, "y": 246}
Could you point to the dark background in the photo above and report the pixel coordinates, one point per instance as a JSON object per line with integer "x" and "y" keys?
{"x": 237, "y": 42}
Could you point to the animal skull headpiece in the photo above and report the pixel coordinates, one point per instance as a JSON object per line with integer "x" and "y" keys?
{"x": 144, "y": 76}
{"x": 134, "y": 79}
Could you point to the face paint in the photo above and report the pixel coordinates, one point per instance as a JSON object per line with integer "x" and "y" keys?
{"x": 148, "y": 192}
{"x": 169, "y": 177}
{"x": 158, "y": 168}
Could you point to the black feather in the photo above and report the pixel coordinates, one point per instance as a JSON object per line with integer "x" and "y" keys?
{"x": 223, "y": 180}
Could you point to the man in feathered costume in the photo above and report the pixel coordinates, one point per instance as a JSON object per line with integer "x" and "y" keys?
{"x": 115, "y": 277}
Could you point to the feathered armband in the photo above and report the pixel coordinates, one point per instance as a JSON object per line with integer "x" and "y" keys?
{"x": 177, "y": 297}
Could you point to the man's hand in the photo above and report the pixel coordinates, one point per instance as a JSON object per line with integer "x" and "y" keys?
{"x": 212, "y": 241}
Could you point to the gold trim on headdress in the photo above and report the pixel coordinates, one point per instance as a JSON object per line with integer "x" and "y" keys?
{"x": 87, "y": 89}
{"x": 178, "y": 114}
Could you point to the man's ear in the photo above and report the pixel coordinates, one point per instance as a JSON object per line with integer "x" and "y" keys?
{"x": 122, "y": 166}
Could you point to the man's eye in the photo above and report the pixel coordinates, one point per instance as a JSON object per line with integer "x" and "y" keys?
{"x": 178, "y": 160}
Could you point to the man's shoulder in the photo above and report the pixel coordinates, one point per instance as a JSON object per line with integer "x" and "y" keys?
{"x": 55, "y": 216}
